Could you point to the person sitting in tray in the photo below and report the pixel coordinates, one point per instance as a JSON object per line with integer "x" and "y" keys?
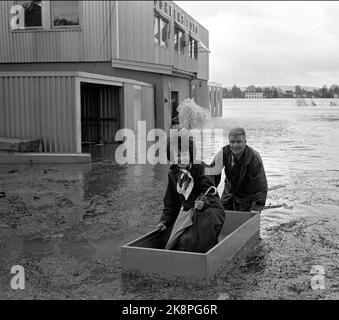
{"x": 196, "y": 213}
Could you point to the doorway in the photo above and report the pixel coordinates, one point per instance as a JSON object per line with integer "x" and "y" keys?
{"x": 174, "y": 106}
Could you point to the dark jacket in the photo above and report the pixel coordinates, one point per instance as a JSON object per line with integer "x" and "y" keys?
{"x": 245, "y": 184}
{"x": 207, "y": 223}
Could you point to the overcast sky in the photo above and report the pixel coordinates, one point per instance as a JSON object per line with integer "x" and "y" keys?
{"x": 270, "y": 42}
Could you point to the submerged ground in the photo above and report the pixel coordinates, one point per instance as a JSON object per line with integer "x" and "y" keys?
{"x": 65, "y": 224}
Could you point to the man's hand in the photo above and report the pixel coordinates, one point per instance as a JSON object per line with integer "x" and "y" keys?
{"x": 198, "y": 204}
{"x": 161, "y": 227}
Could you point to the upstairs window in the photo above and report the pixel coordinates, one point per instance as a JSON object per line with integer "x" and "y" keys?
{"x": 161, "y": 31}
{"x": 32, "y": 13}
{"x": 156, "y": 30}
{"x": 65, "y": 13}
{"x": 179, "y": 40}
{"x": 48, "y": 14}
{"x": 193, "y": 48}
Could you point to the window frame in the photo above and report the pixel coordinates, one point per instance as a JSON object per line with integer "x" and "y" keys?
{"x": 46, "y": 19}
{"x": 75, "y": 26}
{"x": 193, "y": 49}
{"x": 159, "y": 17}
{"x": 181, "y": 49}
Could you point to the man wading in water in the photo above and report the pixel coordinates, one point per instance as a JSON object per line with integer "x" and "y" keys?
{"x": 245, "y": 184}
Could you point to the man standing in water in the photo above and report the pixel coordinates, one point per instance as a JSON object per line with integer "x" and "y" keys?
{"x": 245, "y": 183}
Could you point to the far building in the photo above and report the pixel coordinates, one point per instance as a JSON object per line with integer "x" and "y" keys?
{"x": 254, "y": 95}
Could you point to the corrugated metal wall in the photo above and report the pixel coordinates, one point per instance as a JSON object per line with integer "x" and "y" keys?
{"x": 91, "y": 42}
{"x": 136, "y": 23}
{"x": 144, "y": 101}
{"x": 39, "y": 107}
{"x": 96, "y": 39}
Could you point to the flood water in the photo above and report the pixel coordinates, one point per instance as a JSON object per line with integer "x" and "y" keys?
{"x": 298, "y": 145}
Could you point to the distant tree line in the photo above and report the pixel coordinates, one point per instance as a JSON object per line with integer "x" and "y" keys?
{"x": 276, "y": 92}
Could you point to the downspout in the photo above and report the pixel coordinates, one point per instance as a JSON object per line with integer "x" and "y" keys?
{"x": 117, "y": 27}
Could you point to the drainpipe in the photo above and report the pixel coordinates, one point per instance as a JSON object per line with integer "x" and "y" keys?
{"x": 117, "y": 27}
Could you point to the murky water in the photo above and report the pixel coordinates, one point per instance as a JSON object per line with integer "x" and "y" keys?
{"x": 298, "y": 145}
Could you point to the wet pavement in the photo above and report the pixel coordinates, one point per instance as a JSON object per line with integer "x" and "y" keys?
{"x": 65, "y": 224}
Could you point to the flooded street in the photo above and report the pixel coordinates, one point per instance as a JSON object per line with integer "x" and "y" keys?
{"x": 65, "y": 224}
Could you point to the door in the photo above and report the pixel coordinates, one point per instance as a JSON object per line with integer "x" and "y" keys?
{"x": 174, "y": 106}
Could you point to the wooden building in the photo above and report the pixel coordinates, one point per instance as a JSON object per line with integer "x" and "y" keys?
{"x": 142, "y": 57}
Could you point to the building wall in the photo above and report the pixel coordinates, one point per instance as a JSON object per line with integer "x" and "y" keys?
{"x": 199, "y": 93}
{"x": 39, "y": 107}
{"x": 162, "y": 87}
{"x": 136, "y": 23}
{"x": 90, "y": 42}
{"x": 46, "y": 106}
{"x": 182, "y": 86}
{"x": 108, "y": 30}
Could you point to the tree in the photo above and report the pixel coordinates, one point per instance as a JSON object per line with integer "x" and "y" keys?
{"x": 250, "y": 88}
{"x": 236, "y": 92}
{"x": 298, "y": 91}
{"x": 267, "y": 93}
{"x": 324, "y": 92}
{"x": 226, "y": 93}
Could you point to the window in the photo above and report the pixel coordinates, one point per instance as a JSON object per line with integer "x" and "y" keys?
{"x": 49, "y": 14}
{"x": 161, "y": 31}
{"x": 65, "y": 13}
{"x": 170, "y": 10}
{"x": 176, "y": 40}
{"x": 193, "y": 48}
{"x": 179, "y": 40}
{"x": 166, "y": 7}
{"x": 156, "y": 30}
{"x": 33, "y": 13}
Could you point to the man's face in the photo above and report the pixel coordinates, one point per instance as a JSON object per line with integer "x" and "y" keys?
{"x": 237, "y": 144}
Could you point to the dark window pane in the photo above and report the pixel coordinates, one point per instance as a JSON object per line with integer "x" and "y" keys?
{"x": 163, "y": 32}
{"x": 33, "y": 13}
{"x": 195, "y": 49}
{"x": 156, "y": 30}
{"x": 176, "y": 47}
{"x": 65, "y": 13}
